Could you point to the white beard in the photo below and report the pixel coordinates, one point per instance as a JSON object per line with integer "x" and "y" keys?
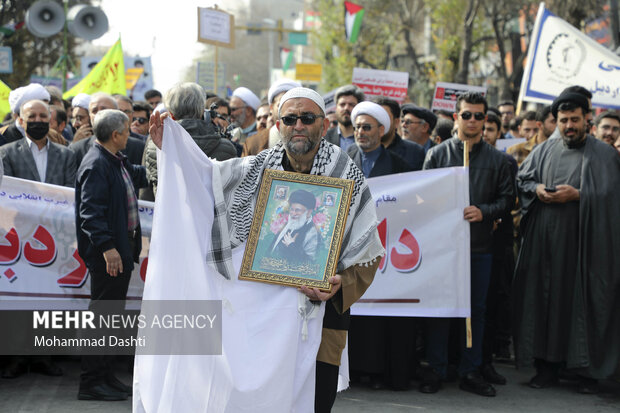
{"x": 295, "y": 224}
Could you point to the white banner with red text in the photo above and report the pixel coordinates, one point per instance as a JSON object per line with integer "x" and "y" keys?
{"x": 38, "y": 247}
{"x": 425, "y": 272}
{"x": 426, "y": 269}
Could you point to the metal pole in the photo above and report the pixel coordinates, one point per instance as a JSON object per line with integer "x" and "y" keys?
{"x": 215, "y": 73}
{"x": 468, "y": 319}
{"x": 65, "y": 49}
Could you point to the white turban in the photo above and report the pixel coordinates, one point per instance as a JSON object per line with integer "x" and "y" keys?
{"x": 282, "y": 85}
{"x": 24, "y": 94}
{"x": 374, "y": 110}
{"x": 248, "y": 97}
{"x": 81, "y": 100}
{"x": 303, "y": 92}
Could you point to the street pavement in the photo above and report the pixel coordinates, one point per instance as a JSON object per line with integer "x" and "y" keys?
{"x": 34, "y": 393}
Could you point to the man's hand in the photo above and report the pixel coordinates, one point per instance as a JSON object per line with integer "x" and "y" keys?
{"x": 315, "y": 294}
{"x": 563, "y": 194}
{"x": 156, "y": 127}
{"x": 287, "y": 239}
{"x": 472, "y": 214}
{"x": 222, "y": 123}
{"x": 114, "y": 263}
{"x": 83, "y": 132}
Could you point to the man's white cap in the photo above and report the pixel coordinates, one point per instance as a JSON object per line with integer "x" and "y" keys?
{"x": 371, "y": 109}
{"x": 24, "y": 94}
{"x": 81, "y": 100}
{"x": 282, "y": 85}
{"x": 247, "y": 96}
{"x": 303, "y": 92}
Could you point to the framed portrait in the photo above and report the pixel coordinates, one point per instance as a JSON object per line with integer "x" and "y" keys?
{"x": 297, "y": 229}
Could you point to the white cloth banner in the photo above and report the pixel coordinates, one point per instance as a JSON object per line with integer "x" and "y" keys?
{"x": 267, "y": 365}
{"x": 426, "y": 270}
{"x": 38, "y": 247}
{"x": 559, "y": 56}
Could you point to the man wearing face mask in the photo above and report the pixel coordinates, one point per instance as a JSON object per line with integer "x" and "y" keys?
{"x": 34, "y": 157}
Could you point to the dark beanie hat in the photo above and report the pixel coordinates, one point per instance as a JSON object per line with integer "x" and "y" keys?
{"x": 566, "y": 96}
{"x": 422, "y": 113}
{"x": 304, "y": 198}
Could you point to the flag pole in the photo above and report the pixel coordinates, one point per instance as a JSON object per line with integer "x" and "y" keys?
{"x": 468, "y": 319}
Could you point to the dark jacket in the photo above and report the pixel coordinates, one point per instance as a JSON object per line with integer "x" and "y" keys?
{"x": 133, "y": 151}
{"x": 387, "y": 163}
{"x": 207, "y": 139}
{"x": 411, "y": 152}
{"x": 491, "y": 187}
{"x": 332, "y": 136}
{"x": 11, "y": 133}
{"x": 205, "y": 136}
{"x": 101, "y": 208}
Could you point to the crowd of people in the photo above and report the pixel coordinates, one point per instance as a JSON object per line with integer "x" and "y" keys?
{"x": 544, "y": 281}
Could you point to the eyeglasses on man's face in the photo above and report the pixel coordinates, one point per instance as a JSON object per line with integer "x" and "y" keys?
{"x": 467, "y": 115}
{"x": 306, "y": 119}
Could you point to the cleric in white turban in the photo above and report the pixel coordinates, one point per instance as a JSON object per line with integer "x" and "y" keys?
{"x": 21, "y": 95}
{"x": 374, "y": 110}
{"x": 81, "y": 100}
{"x": 247, "y": 96}
{"x": 282, "y": 85}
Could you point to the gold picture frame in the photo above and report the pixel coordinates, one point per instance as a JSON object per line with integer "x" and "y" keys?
{"x": 297, "y": 229}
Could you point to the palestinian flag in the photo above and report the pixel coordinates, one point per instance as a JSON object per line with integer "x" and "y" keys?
{"x": 353, "y": 14}
{"x": 9, "y": 29}
{"x": 286, "y": 57}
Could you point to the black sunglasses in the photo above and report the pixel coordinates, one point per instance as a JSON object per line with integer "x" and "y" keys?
{"x": 140, "y": 120}
{"x": 467, "y": 115}
{"x": 307, "y": 119}
{"x": 365, "y": 127}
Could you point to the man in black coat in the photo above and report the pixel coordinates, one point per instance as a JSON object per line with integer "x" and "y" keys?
{"x": 298, "y": 241}
{"x": 370, "y": 122}
{"x": 108, "y": 234}
{"x": 491, "y": 194}
{"x": 410, "y": 151}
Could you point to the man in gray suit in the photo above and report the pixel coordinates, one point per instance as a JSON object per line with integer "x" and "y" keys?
{"x": 34, "y": 157}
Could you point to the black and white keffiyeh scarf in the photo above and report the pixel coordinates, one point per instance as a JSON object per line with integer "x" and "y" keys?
{"x": 236, "y": 185}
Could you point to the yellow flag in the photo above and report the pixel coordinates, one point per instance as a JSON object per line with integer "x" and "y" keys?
{"x": 4, "y": 100}
{"x": 107, "y": 76}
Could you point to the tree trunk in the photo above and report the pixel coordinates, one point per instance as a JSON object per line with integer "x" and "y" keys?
{"x": 464, "y": 57}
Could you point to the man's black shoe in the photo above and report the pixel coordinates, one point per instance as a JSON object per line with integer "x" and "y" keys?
{"x": 118, "y": 385}
{"x": 587, "y": 386}
{"x": 431, "y": 382}
{"x": 543, "y": 380}
{"x": 474, "y": 383}
{"x": 491, "y": 375}
{"x": 102, "y": 392}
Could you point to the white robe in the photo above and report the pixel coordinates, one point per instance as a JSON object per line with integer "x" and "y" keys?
{"x": 265, "y": 364}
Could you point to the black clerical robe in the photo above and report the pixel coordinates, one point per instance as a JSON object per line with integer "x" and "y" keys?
{"x": 566, "y": 291}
